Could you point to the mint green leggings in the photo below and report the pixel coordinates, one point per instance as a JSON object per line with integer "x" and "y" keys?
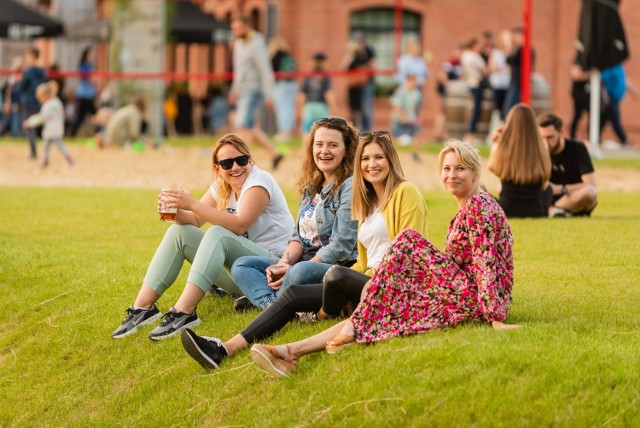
{"x": 210, "y": 253}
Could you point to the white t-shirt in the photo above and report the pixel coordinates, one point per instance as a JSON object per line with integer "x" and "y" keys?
{"x": 472, "y": 66}
{"x": 273, "y": 227}
{"x": 373, "y": 234}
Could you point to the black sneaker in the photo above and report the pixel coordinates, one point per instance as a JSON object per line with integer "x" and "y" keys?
{"x": 207, "y": 351}
{"x": 136, "y": 318}
{"x": 173, "y": 323}
{"x": 242, "y": 304}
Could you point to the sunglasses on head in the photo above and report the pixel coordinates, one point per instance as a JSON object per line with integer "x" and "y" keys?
{"x": 335, "y": 121}
{"x": 366, "y": 134}
{"x": 227, "y": 164}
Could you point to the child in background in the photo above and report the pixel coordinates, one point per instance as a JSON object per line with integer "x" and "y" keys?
{"x": 406, "y": 101}
{"x": 51, "y": 116}
{"x": 316, "y": 94}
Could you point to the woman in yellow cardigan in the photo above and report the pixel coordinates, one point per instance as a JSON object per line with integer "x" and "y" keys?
{"x": 385, "y": 204}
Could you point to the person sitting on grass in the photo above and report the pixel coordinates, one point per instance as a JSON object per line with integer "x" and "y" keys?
{"x": 51, "y": 115}
{"x": 573, "y": 183}
{"x": 521, "y": 161}
{"x": 124, "y": 126}
{"x": 384, "y": 204}
{"x": 249, "y": 216}
{"x": 324, "y": 233}
{"x": 417, "y": 288}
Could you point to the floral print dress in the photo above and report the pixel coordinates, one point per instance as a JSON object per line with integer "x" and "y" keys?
{"x": 418, "y": 288}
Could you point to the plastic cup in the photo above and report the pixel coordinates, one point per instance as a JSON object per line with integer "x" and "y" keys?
{"x": 166, "y": 213}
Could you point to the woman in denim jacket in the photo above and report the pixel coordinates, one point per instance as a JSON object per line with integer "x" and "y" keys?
{"x": 324, "y": 233}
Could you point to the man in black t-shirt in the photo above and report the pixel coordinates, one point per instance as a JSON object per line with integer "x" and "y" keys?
{"x": 572, "y": 184}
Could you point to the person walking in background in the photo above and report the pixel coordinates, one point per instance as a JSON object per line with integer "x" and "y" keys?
{"x": 285, "y": 88}
{"x": 316, "y": 94}
{"x": 252, "y": 84}
{"x": 85, "y": 91}
{"x": 11, "y": 106}
{"x": 500, "y": 73}
{"x": 521, "y": 161}
{"x": 474, "y": 69}
{"x": 384, "y": 204}
{"x": 418, "y": 288}
{"x": 355, "y": 82}
{"x": 406, "y": 101}
{"x": 51, "y": 115}
{"x": 366, "y": 59}
{"x": 616, "y": 84}
{"x": 515, "y": 62}
{"x": 32, "y": 76}
{"x": 573, "y": 183}
{"x": 581, "y": 95}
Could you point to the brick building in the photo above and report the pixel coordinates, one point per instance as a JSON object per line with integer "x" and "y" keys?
{"x": 326, "y": 25}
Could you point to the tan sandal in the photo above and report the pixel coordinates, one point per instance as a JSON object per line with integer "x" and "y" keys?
{"x": 268, "y": 359}
{"x": 340, "y": 343}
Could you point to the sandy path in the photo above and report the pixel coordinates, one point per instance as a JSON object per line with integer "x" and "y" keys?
{"x": 169, "y": 166}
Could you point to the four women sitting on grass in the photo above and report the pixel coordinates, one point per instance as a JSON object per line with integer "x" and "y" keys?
{"x": 399, "y": 285}
{"x": 384, "y": 204}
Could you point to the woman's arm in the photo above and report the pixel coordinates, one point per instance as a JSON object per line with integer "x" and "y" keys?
{"x": 254, "y": 202}
{"x": 344, "y": 232}
{"x": 493, "y": 277}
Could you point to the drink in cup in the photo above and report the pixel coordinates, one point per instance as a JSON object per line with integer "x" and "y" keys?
{"x": 166, "y": 213}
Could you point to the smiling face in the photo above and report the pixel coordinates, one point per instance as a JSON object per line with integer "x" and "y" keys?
{"x": 328, "y": 151}
{"x": 458, "y": 179}
{"x": 237, "y": 175}
{"x": 374, "y": 165}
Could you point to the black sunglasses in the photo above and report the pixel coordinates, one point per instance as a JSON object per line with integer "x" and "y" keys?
{"x": 366, "y": 134}
{"x": 335, "y": 121}
{"x": 227, "y": 164}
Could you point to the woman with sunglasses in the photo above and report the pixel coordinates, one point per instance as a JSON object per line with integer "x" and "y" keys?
{"x": 324, "y": 233}
{"x": 418, "y": 288}
{"x": 249, "y": 216}
{"x": 384, "y": 204}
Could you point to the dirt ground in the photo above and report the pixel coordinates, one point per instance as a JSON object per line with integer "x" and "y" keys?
{"x": 170, "y": 166}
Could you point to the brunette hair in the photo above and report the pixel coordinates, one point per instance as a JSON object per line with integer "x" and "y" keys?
{"x": 310, "y": 178}
{"x": 521, "y": 156}
{"x": 223, "y": 188}
{"x": 550, "y": 119}
{"x": 363, "y": 195}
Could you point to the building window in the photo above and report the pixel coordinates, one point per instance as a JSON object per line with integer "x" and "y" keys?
{"x": 378, "y": 25}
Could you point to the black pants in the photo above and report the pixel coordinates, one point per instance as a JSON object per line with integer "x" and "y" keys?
{"x": 341, "y": 286}
{"x": 85, "y": 107}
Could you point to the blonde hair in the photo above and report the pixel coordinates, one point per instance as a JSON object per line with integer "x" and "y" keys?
{"x": 521, "y": 156}
{"x": 363, "y": 198}
{"x": 468, "y": 155}
{"x": 48, "y": 89}
{"x": 310, "y": 178}
{"x": 223, "y": 188}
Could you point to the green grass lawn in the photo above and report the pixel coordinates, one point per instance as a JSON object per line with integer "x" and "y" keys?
{"x": 73, "y": 259}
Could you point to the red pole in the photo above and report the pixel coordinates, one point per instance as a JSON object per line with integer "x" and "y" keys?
{"x": 525, "y": 71}
{"x": 397, "y": 30}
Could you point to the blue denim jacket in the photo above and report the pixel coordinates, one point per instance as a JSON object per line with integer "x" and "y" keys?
{"x": 337, "y": 231}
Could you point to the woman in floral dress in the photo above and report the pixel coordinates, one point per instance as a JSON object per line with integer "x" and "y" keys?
{"x": 418, "y": 288}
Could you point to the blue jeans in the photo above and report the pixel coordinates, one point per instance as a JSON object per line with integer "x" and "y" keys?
{"x": 367, "y": 105}
{"x": 247, "y": 108}
{"x": 285, "y": 104}
{"x": 250, "y": 275}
